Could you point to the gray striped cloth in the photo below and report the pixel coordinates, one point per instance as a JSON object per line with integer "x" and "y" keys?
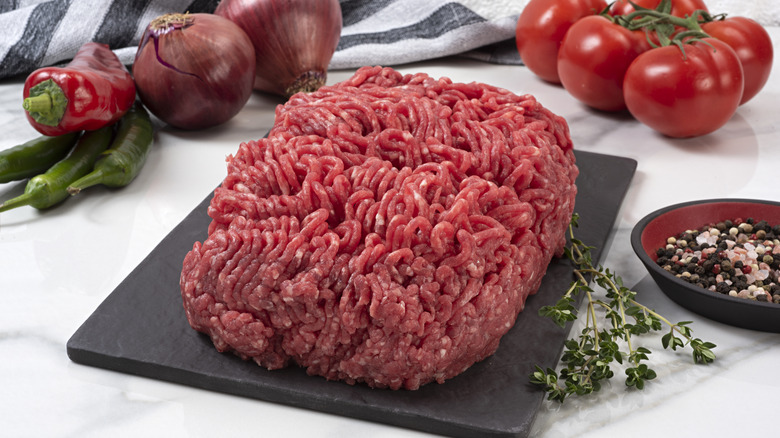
{"x": 37, "y": 33}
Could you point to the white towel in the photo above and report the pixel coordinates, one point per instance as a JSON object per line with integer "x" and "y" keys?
{"x": 401, "y": 31}
{"x": 766, "y": 12}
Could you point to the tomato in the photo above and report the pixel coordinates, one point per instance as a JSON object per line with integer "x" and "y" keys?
{"x": 540, "y": 30}
{"x": 593, "y": 59}
{"x": 753, "y": 46}
{"x": 685, "y": 95}
{"x": 680, "y": 8}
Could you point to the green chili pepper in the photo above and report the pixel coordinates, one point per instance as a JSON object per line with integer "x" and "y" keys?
{"x": 51, "y": 188}
{"x": 34, "y": 157}
{"x": 119, "y": 165}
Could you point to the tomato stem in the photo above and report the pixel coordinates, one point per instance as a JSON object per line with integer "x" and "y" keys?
{"x": 669, "y": 29}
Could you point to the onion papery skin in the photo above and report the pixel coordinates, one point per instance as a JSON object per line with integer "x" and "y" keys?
{"x": 294, "y": 40}
{"x": 194, "y": 71}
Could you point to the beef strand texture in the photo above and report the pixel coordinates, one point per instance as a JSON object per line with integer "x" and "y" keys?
{"x": 387, "y": 231}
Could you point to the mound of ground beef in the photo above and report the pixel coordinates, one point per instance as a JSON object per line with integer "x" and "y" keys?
{"x": 388, "y": 230}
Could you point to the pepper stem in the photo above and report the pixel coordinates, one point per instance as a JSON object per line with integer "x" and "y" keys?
{"x": 37, "y": 194}
{"x": 46, "y": 103}
{"x": 19, "y": 201}
{"x": 40, "y": 103}
{"x": 91, "y": 179}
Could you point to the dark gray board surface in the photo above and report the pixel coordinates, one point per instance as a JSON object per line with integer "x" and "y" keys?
{"x": 141, "y": 329}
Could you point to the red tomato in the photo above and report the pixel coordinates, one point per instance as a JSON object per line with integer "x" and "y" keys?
{"x": 541, "y": 27}
{"x": 680, "y": 8}
{"x": 753, "y": 46}
{"x": 685, "y": 95}
{"x": 593, "y": 59}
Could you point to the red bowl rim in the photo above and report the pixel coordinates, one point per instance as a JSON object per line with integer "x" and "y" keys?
{"x": 645, "y": 244}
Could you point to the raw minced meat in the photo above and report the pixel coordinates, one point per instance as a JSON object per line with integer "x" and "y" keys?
{"x": 388, "y": 230}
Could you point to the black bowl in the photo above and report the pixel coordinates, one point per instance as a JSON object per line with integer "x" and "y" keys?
{"x": 651, "y": 233}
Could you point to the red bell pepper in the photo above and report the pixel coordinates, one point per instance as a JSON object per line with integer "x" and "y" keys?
{"x": 94, "y": 90}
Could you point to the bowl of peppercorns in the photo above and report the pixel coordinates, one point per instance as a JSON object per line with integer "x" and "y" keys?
{"x": 719, "y": 258}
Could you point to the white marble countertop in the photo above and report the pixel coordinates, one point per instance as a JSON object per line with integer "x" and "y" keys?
{"x": 59, "y": 265}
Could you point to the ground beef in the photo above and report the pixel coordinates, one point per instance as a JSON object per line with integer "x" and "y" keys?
{"x": 388, "y": 230}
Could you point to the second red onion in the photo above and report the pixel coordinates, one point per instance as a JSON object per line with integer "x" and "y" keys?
{"x": 294, "y": 40}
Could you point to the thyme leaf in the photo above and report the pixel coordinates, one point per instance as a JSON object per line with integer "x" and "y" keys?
{"x": 611, "y": 324}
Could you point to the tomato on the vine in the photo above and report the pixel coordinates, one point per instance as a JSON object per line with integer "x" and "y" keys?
{"x": 680, "y": 8}
{"x": 540, "y": 30}
{"x": 593, "y": 59}
{"x": 753, "y": 46}
{"x": 685, "y": 94}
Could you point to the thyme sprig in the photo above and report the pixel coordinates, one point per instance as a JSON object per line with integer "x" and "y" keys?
{"x": 611, "y": 324}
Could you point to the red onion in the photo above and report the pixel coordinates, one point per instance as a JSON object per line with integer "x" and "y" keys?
{"x": 194, "y": 71}
{"x": 294, "y": 40}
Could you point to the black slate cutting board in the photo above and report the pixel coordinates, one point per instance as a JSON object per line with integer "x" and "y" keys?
{"x": 141, "y": 329}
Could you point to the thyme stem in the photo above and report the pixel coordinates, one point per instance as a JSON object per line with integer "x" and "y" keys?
{"x": 588, "y": 360}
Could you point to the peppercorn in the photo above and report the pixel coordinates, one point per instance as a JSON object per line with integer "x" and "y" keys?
{"x": 709, "y": 265}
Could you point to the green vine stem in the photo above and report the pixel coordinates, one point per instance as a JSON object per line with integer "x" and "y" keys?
{"x": 665, "y": 27}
